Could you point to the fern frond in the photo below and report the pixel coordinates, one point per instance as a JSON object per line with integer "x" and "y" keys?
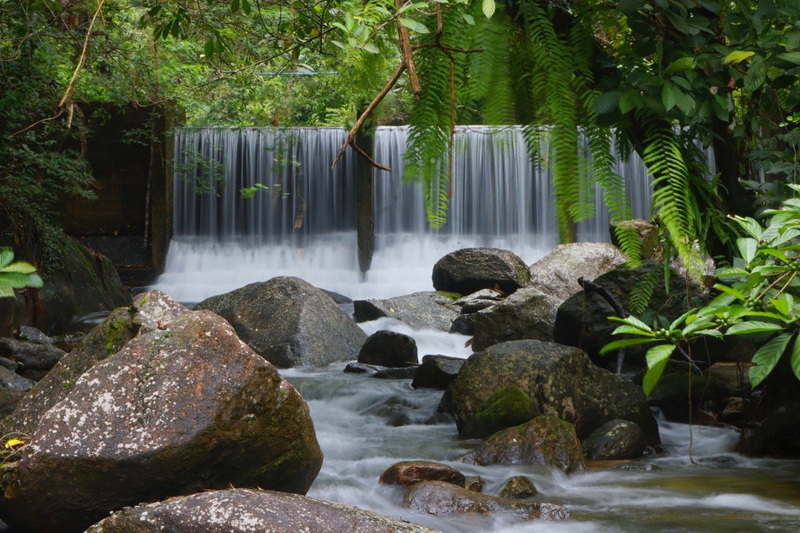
{"x": 642, "y": 292}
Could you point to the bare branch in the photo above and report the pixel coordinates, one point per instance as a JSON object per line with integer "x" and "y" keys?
{"x": 82, "y": 59}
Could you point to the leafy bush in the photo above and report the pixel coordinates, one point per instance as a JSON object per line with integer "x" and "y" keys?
{"x": 16, "y": 274}
{"x": 759, "y": 297}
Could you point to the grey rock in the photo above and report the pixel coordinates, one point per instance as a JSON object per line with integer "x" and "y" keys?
{"x": 246, "y": 511}
{"x": 557, "y": 273}
{"x": 31, "y": 355}
{"x": 420, "y": 310}
{"x": 176, "y": 411}
{"x": 289, "y": 322}
{"x": 469, "y": 270}
{"x": 440, "y": 498}
{"x": 13, "y": 381}
{"x": 519, "y": 488}
{"x": 526, "y": 314}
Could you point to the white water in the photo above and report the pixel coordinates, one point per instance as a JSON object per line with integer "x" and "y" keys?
{"x": 699, "y": 485}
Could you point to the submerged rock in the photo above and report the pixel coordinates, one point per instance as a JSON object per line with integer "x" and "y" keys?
{"x": 289, "y": 322}
{"x": 246, "y": 511}
{"x": 178, "y": 410}
{"x": 469, "y": 270}
{"x": 545, "y": 440}
{"x": 440, "y": 498}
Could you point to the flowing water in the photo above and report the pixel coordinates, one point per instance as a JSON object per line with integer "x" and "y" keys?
{"x": 303, "y": 225}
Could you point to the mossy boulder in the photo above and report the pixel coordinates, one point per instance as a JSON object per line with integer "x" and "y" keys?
{"x": 560, "y": 379}
{"x": 545, "y": 440}
{"x": 180, "y": 409}
{"x": 616, "y": 439}
{"x": 409, "y": 472}
{"x": 508, "y": 406}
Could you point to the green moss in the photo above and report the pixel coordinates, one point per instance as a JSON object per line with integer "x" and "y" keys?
{"x": 506, "y": 407}
{"x": 451, "y": 295}
{"x": 142, "y": 302}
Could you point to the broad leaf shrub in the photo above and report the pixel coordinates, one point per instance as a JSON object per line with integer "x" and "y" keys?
{"x": 759, "y": 298}
{"x": 16, "y": 274}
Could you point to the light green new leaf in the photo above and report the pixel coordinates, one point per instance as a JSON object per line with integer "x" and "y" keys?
{"x": 767, "y": 357}
{"x": 657, "y": 358}
{"x": 488, "y": 8}
{"x": 750, "y": 225}
{"x": 632, "y": 330}
{"x": 748, "y": 248}
{"x": 6, "y": 256}
{"x": 20, "y": 267}
{"x": 682, "y": 63}
{"x": 632, "y": 321}
{"x": 737, "y": 56}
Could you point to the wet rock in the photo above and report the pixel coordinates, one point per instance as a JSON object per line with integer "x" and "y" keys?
{"x": 389, "y": 349}
{"x": 178, "y": 410}
{"x": 557, "y": 273}
{"x": 506, "y": 407}
{"x": 469, "y": 270}
{"x": 436, "y": 371}
{"x": 439, "y": 498}
{"x": 289, "y": 322}
{"x": 474, "y": 483}
{"x": 421, "y": 310}
{"x": 545, "y": 440}
{"x": 395, "y": 373}
{"x": 245, "y": 511}
{"x": 33, "y": 355}
{"x": 12, "y": 381}
{"x": 410, "y": 472}
{"x": 561, "y": 379}
{"x": 777, "y": 434}
{"x": 582, "y": 320}
{"x": 526, "y": 314}
{"x": 519, "y": 488}
{"x": 147, "y": 312}
{"x": 9, "y": 400}
{"x": 30, "y": 334}
{"x": 479, "y": 300}
{"x": 616, "y": 439}
{"x": 463, "y": 324}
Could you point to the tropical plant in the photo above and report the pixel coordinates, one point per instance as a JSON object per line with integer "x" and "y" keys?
{"x": 16, "y": 274}
{"x": 759, "y": 297}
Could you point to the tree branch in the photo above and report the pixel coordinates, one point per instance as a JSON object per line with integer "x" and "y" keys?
{"x": 82, "y": 59}
{"x": 372, "y": 105}
{"x": 404, "y": 41}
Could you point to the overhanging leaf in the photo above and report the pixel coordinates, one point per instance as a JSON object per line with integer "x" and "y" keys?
{"x": 767, "y": 357}
{"x": 753, "y": 326}
{"x": 737, "y": 56}
{"x": 488, "y": 8}
{"x": 414, "y": 25}
{"x": 622, "y": 343}
{"x": 657, "y": 358}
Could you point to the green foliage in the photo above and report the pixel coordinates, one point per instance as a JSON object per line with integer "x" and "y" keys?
{"x": 16, "y": 274}
{"x": 759, "y": 297}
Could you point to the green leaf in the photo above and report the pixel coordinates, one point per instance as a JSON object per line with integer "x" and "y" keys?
{"x": 795, "y": 361}
{"x": 606, "y": 102}
{"x": 682, "y": 63}
{"x": 756, "y": 74}
{"x": 791, "y": 57}
{"x": 783, "y": 304}
{"x": 753, "y": 326}
{"x": 747, "y": 248}
{"x": 208, "y": 48}
{"x": 488, "y": 8}
{"x": 669, "y": 96}
{"x": 413, "y": 25}
{"x": 6, "y": 256}
{"x": 622, "y": 343}
{"x": 657, "y": 358}
{"x": 767, "y": 357}
{"x": 632, "y": 321}
{"x": 627, "y": 101}
{"x": 737, "y": 56}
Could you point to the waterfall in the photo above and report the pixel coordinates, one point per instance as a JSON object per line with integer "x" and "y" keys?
{"x": 301, "y": 217}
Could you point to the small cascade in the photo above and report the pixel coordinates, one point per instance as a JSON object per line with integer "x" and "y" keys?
{"x": 301, "y": 218}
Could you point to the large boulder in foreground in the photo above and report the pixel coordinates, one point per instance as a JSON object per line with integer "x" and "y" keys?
{"x": 176, "y": 411}
{"x": 526, "y": 314}
{"x": 149, "y": 311}
{"x": 557, "y": 273}
{"x": 420, "y": 310}
{"x": 561, "y": 379}
{"x": 246, "y": 511}
{"x": 289, "y": 322}
{"x": 471, "y": 269}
